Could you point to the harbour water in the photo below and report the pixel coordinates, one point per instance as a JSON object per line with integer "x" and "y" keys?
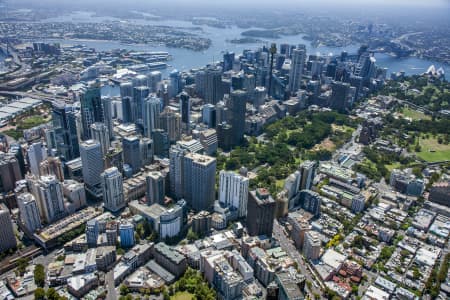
{"x": 184, "y": 59}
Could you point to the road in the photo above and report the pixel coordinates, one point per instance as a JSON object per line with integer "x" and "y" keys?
{"x": 287, "y": 245}
{"x": 110, "y": 287}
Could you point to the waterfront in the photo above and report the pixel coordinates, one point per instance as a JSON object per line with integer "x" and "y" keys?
{"x": 184, "y": 59}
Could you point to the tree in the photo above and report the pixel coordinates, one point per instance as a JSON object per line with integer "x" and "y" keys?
{"x": 39, "y": 294}
{"x": 191, "y": 235}
{"x": 39, "y": 275}
{"x": 22, "y": 264}
{"x": 124, "y": 290}
{"x": 52, "y": 294}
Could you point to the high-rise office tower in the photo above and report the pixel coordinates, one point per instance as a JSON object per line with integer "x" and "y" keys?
{"x": 155, "y": 78}
{"x": 259, "y": 96}
{"x": 200, "y": 83}
{"x": 175, "y": 83}
{"x": 311, "y": 246}
{"x": 127, "y": 114}
{"x": 52, "y": 166}
{"x": 209, "y": 115}
{"x": 126, "y": 89}
{"x": 112, "y": 186}
{"x": 213, "y": 85}
{"x": 236, "y": 112}
{"x": 65, "y": 127}
{"x": 340, "y": 96}
{"x": 307, "y": 171}
{"x": 146, "y": 151}
{"x": 108, "y": 115}
{"x": 260, "y": 213}
{"x": 171, "y": 123}
{"x": 228, "y": 60}
{"x": 7, "y": 237}
{"x": 310, "y": 201}
{"x": 92, "y": 232}
{"x": 29, "y": 212}
{"x": 91, "y": 108}
{"x": 233, "y": 191}
{"x": 114, "y": 158}
{"x": 297, "y": 67}
{"x": 140, "y": 93}
{"x": 16, "y": 150}
{"x": 185, "y": 106}
{"x": 126, "y": 230}
{"x": 131, "y": 153}
{"x": 199, "y": 180}
{"x": 50, "y": 198}
{"x": 285, "y": 50}
{"x": 140, "y": 80}
{"x": 36, "y": 154}
{"x": 9, "y": 172}
{"x": 100, "y": 133}
{"x": 161, "y": 143}
{"x": 50, "y": 141}
{"x": 155, "y": 188}
{"x": 176, "y": 155}
{"x": 152, "y": 109}
{"x": 92, "y": 161}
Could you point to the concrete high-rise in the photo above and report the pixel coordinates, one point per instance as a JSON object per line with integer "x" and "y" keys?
{"x": 29, "y": 212}
{"x": 92, "y": 232}
{"x": 36, "y": 154}
{"x": 9, "y": 172}
{"x": 185, "y": 106}
{"x": 155, "y": 188}
{"x": 100, "y": 133}
{"x": 233, "y": 191}
{"x": 50, "y": 198}
{"x": 108, "y": 115}
{"x": 140, "y": 93}
{"x": 92, "y": 162}
{"x": 307, "y": 173}
{"x": 7, "y": 237}
{"x": 131, "y": 153}
{"x": 152, "y": 109}
{"x": 213, "y": 85}
{"x": 199, "y": 180}
{"x": 146, "y": 151}
{"x": 228, "y": 61}
{"x": 112, "y": 186}
{"x": 260, "y": 213}
{"x": 171, "y": 123}
{"x": 126, "y": 230}
{"x": 52, "y": 166}
{"x": 297, "y": 68}
{"x": 311, "y": 246}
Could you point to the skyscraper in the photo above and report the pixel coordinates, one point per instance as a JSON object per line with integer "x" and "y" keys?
{"x": 92, "y": 161}
{"x": 50, "y": 199}
{"x": 171, "y": 123}
{"x": 307, "y": 173}
{"x": 155, "y": 188}
{"x": 146, "y": 151}
{"x": 126, "y": 89}
{"x": 127, "y": 114}
{"x": 185, "y": 105}
{"x": 233, "y": 191}
{"x": 108, "y": 115}
{"x": 297, "y": 67}
{"x": 152, "y": 109}
{"x": 340, "y": 96}
{"x": 9, "y": 172}
{"x": 140, "y": 93}
{"x": 175, "y": 83}
{"x": 131, "y": 153}
{"x": 65, "y": 128}
{"x": 29, "y": 212}
{"x": 100, "y": 133}
{"x": 36, "y": 154}
{"x": 311, "y": 246}
{"x": 112, "y": 186}
{"x": 213, "y": 85}
{"x": 310, "y": 201}
{"x": 91, "y": 108}
{"x": 176, "y": 155}
{"x": 228, "y": 60}
{"x": 7, "y": 237}
{"x": 260, "y": 213}
{"x": 52, "y": 166}
{"x": 209, "y": 115}
{"x": 199, "y": 180}
{"x": 236, "y": 108}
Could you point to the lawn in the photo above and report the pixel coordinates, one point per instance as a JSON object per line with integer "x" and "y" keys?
{"x": 438, "y": 151}
{"x": 182, "y": 296}
{"x": 414, "y": 114}
{"x": 31, "y": 122}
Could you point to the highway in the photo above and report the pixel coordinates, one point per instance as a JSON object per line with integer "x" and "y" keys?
{"x": 287, "y": 245}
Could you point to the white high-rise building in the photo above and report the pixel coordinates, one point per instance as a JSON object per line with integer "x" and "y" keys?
{"x": 233, "y": 191}
{"x": 50, "y": 198}
{"x": 100, "y": 133}
{"x": 7, "y": 237}
{"x": 112, "y": 185}
{"x": 297, "y": 67}
{"x": 152, "y": 109}
{"x": 36, "y": 154}
{"x": 29, "y": 212}
{"x": 92, "y": 160}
